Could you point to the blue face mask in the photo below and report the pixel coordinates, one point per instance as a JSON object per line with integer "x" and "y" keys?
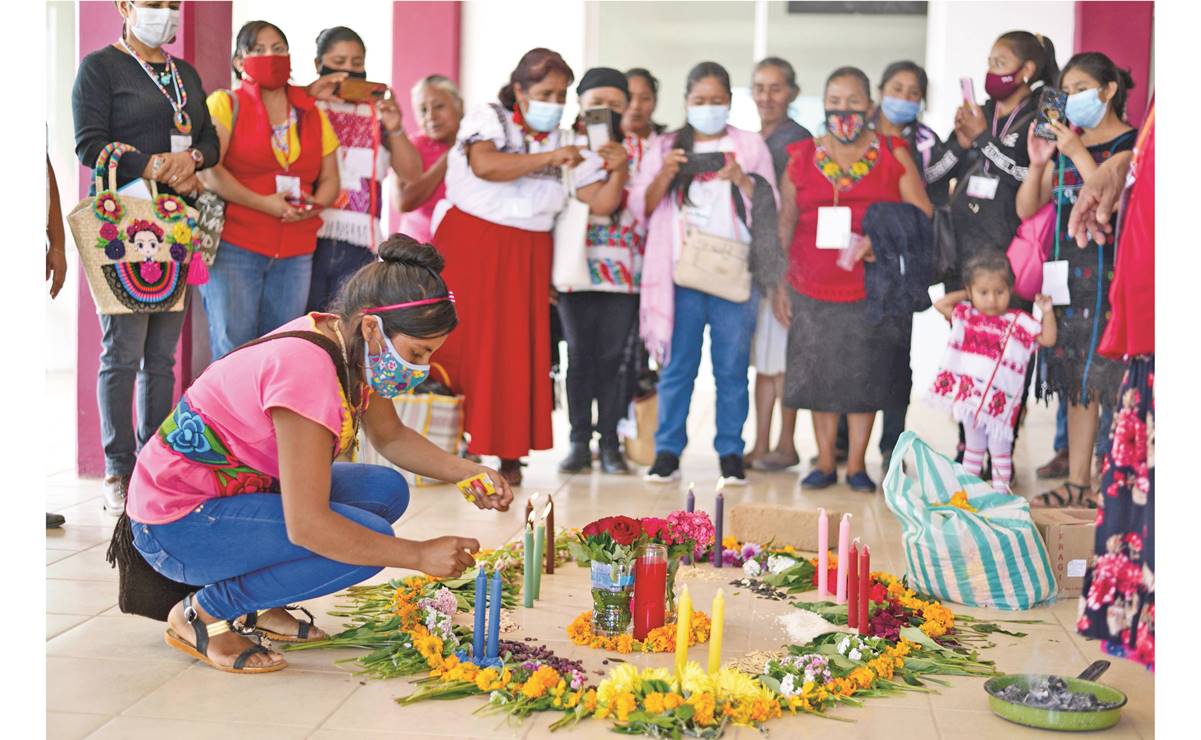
{"x": 389, "y": 374}
{"x": 542, "y": 116}
{"x": 1085, "y": 108}
{"x": 710, "y": 120}
{"x": 899, "y": 110}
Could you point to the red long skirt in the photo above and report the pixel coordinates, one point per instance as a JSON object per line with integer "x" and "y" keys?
{"x": 499, "y": 356}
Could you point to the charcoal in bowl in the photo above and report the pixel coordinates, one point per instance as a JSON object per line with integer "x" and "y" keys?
{"x": 1051, "y": 693}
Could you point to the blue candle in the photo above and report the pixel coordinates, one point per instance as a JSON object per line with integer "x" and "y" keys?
{"x": 493, "y": 649}
{"x": 481, "y": 607}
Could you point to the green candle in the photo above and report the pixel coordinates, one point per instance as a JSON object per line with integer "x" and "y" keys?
{"x": 536, "y": 561}
{"x": 530, "y": 563}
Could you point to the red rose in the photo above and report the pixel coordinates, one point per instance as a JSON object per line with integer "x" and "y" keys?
{"x": 656, "y": 529}
{"x": 878, "y": 592}
{"x": 623, "y": 529}
{"x": 598, "y": 527}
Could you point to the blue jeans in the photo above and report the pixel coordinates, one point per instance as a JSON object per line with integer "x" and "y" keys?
{"x": 141, "y": 346}
{"x": 237, "y": 547}
{"x": 731, "y": 326}
{"x": 250, "y": 294}
{"x": 333, "y": 264}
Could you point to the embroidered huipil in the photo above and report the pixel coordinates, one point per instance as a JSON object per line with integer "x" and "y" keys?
{"x": 220, "y": 439}
{"x": 363, "y": 164}
{"x": 981, "y": 375}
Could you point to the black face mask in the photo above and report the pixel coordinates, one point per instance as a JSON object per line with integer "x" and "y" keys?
{"x": 331, "y": 71}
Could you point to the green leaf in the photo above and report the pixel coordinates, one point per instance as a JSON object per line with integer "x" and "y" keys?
{"x": 770, "y": 683}
{"x": 913, "y": 634}
{"x": 684, "y": 712}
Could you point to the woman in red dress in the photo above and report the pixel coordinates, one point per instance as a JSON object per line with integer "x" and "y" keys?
{"x": 505, "y": 183}
{"x": 839, "y": 362}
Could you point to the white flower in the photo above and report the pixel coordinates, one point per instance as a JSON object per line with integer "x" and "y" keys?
{"x": 843, "y": 645}
{"x": 788, "y": 686}
{"x": 779, "y": 563}
{"x": 855, "y": 654}
{"x": 752, "y": 568}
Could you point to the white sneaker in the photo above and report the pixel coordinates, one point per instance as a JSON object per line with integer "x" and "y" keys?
{"x": 114, "y": 495}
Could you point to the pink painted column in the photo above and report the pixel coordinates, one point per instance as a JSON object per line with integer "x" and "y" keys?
{"x": 100, "y": 24}
{"x": 425, "y": 41}
{"x": 1123, "y": 31}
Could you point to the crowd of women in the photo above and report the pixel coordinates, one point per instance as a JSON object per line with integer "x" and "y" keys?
{"x": 813, "y": 233}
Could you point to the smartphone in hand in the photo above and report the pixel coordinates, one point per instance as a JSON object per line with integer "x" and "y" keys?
{"x": 1052, "y": 106}
{"x": 699, "y": 163}
{"x": 603, "y": 126}
{"x": 968, "y": 90}
{"x": 354, "y": 90}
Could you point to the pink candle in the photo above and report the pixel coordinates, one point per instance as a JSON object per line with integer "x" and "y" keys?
{"x": 844, "y": 543}
{"x": 853, "y": 586}
{"x": 823, "y": 555}
{"x": 865, "y": 566}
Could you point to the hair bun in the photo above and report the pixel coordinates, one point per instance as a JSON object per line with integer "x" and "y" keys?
{"x": 402, "y": 249}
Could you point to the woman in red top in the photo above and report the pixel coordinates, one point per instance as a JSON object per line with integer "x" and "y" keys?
{"x": 278, "y": 170}
{"x": 839, "y": 362}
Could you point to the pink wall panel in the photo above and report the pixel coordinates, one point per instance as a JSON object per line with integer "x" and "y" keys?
{"x": 1123, "y": 31}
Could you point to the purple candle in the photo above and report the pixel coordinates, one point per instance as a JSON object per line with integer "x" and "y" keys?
{"x": 718, "y": 508}
{"x": 690, "y": 504}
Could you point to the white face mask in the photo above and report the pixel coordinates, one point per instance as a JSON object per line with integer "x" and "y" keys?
{"x": 154, "y": 26}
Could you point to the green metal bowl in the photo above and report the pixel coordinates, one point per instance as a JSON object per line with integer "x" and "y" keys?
{"x": 1058, "y": 719}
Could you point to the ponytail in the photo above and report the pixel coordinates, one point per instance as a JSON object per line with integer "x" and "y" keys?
{"x": 1031, "y": 47}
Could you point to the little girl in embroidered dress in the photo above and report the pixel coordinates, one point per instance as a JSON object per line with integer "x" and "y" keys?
{"x": 982, "y": 372}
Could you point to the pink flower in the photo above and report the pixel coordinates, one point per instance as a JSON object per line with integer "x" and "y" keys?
{"x": 108, "y": 232}
{"x": 1129, "y": 439}
{"x": 692, "y": 527}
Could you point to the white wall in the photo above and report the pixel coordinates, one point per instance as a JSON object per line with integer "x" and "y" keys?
{"x": 496, "y": 33}
{"x": 60, "y": 74}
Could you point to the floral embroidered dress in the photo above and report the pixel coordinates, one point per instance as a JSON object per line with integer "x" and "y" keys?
{"x": 220, "y": 439}
{"x": 983, "y": 370}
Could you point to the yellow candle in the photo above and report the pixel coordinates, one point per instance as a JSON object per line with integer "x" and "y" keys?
{"x": 683, "y": 627}
{"x": 718, "y": 623}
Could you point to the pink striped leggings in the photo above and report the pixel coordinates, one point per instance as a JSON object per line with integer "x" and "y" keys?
{"x": 976, "y": 443}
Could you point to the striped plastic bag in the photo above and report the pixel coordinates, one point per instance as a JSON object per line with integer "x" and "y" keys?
{"x": 965, "y": 542}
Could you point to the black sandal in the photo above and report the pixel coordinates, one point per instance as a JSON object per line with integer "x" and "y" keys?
{"x": 203, "y": 632}
{"x": 249, "y": 626}
{"x": 1076, "y": 495}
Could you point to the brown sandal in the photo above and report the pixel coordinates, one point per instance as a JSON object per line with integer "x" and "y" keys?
{"x": 203, "y": 631}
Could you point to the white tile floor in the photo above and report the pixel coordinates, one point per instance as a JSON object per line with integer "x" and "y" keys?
{"x": 110, "y": 675}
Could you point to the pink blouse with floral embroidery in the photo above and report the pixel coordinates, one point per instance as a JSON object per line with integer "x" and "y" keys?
{"x": 220, "y": 439}
{"x": 982, "y": 372}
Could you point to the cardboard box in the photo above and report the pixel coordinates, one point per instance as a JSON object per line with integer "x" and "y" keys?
{"x": 780, "y": 525}
{"x": 1069, "y": 535}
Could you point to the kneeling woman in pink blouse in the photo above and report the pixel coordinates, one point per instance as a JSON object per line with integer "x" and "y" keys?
{"x": 236, "y": 493}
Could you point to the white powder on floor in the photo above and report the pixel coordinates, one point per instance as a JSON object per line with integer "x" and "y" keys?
{"x": 803, "y": 626}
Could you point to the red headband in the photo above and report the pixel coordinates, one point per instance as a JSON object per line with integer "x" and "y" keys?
{"x": 411, "y": 304}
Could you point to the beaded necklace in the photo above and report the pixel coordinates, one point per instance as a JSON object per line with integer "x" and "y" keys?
{"x": 170, "y": 76}
{"x": 844, "y": 180}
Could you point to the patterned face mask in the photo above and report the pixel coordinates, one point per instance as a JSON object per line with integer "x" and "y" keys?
{"x": 389, "y": 374}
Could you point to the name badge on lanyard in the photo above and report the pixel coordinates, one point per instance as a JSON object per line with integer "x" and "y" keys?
{"x": 982, "y": 187}
{"x": 180, "y": 142}
{"x": 1055, "y": 282}
{"x": 833, "y": 227}
{"x": 288, "y": 185}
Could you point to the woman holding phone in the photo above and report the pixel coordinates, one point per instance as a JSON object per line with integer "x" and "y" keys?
{"x": 504, "y": 180}
{"x": 1075, "y": 372}
{"x": 597, "y": 319}
{"x": 367, "y": 131}
{"x": 278, "y": 171}
{"x": 671, "y": 193}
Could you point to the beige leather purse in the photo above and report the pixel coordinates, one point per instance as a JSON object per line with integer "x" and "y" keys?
{"x": 714, "y": 265}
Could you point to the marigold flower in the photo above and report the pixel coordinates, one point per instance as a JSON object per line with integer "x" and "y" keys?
{"x": 654, "y": 702}
{"x": 626, "y": 703}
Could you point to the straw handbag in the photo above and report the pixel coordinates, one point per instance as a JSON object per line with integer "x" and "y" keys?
{"x": 436, "y": 416}
{"x": 136, "y": 253}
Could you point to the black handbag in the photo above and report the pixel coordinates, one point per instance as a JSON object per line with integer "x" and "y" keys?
{"x": 946, "y": 247}
{"x": 143, "y": 590}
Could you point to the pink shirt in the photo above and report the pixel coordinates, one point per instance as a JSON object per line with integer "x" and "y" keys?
{"x": 417, "y": 223}
{"x": 234, "y": 398}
